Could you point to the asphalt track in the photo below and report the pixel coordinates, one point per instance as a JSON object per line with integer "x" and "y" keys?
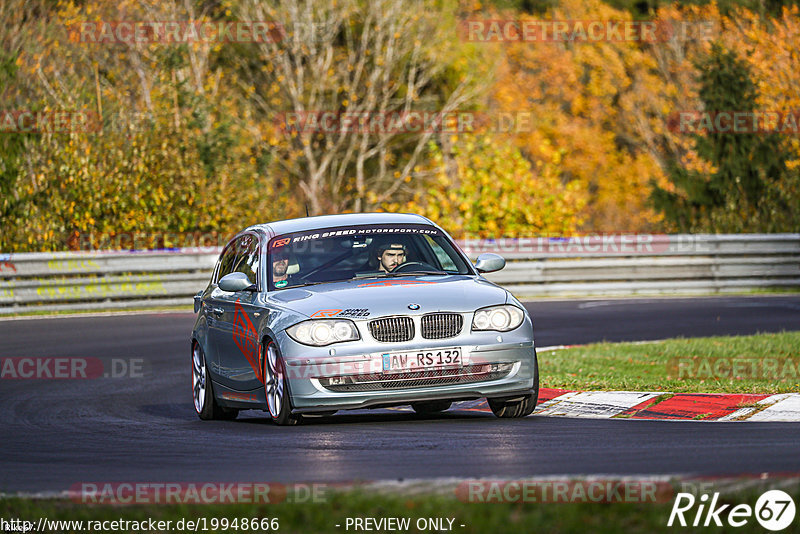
{"x": 57, "y": 433}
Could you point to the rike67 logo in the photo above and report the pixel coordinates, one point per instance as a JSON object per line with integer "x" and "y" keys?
{"x": 774, "y": 510}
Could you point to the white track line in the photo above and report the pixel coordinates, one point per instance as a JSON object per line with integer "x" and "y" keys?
{"x": 596, "y": 404}
{"x": 551, "y": 348}
{"x": 744, "y": 413}
{"x": 786, "y": 408}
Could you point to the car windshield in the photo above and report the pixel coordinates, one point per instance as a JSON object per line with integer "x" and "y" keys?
{"x": 355, "y": 252}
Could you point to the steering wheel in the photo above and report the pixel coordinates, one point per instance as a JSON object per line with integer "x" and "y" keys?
{"x": 414, "y": 266}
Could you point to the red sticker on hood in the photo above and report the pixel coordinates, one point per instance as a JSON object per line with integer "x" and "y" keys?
{"x": 325, "y": 313}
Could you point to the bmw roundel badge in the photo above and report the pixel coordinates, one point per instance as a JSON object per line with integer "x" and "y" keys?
{"x": 413, "y": 306}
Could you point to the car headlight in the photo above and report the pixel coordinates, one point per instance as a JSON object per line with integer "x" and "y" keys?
{"x": 321, "y": 332}
{"x": 501, "y": 318}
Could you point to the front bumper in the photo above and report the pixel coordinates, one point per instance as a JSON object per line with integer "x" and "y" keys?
{"x": 512, "y": 355}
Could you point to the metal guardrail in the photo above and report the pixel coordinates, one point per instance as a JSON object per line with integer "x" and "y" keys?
{"x": 102, "y": 280}
{"x": 619, "y": 265}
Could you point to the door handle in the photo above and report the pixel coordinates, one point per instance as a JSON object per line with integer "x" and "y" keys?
{"x": 217, "y": 311}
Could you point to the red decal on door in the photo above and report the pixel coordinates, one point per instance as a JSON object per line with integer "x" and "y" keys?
{"x": 246, "y": 338}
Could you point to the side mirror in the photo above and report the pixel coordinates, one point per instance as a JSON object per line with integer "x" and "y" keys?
{"x": 234, "y": 282}
{"x": 198, "y": 301}
{"x": 489, "y": 263}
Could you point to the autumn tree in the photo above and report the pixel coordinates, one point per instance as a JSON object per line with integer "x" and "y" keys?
{"x": 587, "y": 100}
{"x": 482, "y": 186}
{"x": 369, "y": 58}
{"x": 742, "y": 193}
{"x": 191, "y": 139}
{"x": 173, "y": 154}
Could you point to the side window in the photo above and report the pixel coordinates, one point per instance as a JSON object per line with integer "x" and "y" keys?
{"x": 444, "y": 259}
{"x": 226, "y": 261}
{"x": 247, "y": 257}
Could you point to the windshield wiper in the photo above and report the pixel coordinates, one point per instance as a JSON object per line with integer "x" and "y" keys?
{"x": 415, "y": 273}
{"x": 369, "y": 275}
{"x": 359, "y": 276}
{"x": 302, "y": 285}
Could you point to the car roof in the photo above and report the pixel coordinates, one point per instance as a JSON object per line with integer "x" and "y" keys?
{"x": 349, "y": 219}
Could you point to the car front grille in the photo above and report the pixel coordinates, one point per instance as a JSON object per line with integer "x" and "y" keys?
{"x": 412, "y": 379}
{"x": 434, "y": 326}
{"x": 441, "y": 325}
{"x": 392, "y": 329}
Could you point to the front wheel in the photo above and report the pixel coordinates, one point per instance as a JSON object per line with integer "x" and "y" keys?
{"x": 520, "y": 405}
{"x": 275, "y": 382}
{"x": 514, "y": 406}
{"x": 205, "y": 404}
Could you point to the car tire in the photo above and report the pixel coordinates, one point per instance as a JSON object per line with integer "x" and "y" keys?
{"x": 518, "y": 406}
{"x": 276, "y": 390}
{"x": 431, "y": 407}
{"x": 205, "y": 403}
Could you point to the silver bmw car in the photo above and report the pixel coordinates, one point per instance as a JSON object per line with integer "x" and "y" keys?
{"x": 315, "y": 315}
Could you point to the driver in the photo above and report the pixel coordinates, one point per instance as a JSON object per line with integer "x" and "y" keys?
{"x": 280, "y": 268}
{"x": 390, "y": 255}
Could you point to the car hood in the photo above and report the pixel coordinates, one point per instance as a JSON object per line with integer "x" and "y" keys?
{"x": 376, "y": 297}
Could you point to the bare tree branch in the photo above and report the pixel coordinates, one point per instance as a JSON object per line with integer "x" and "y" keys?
{"x": 357, "y": 57}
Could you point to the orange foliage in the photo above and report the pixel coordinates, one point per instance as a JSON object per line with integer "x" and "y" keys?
{"x": 587, "y": 100}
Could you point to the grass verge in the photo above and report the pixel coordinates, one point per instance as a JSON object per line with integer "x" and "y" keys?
{"x": 762, "y": 363}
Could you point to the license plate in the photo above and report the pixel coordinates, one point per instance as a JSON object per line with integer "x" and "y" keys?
{"x": 418, "y": 360}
